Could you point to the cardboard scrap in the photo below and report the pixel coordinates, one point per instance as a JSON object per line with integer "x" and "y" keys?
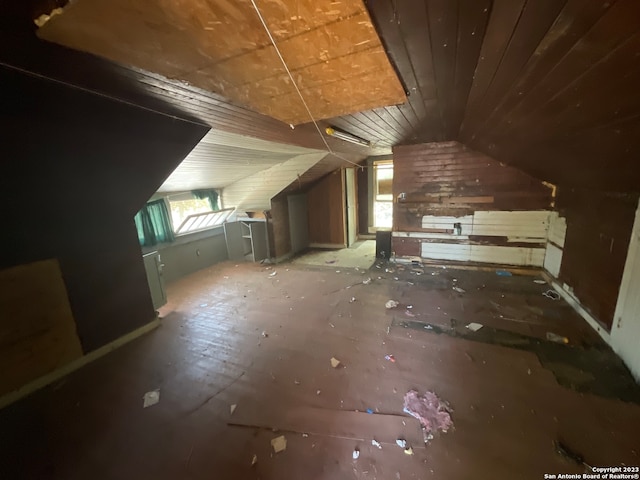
{"x": 279, "y": 444}
{"x": 151, "y": 398}
{"x": 335, "y": 362}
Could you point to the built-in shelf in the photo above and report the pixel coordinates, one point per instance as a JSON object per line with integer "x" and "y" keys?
{"x": 246, "y": 240}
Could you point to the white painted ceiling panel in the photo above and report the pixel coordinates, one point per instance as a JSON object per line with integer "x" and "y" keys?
{"x": 223, "y": 158}
{"x": 254, "y": 193}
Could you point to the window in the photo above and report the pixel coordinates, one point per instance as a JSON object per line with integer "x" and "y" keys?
{"x": 196, "y": 210}
{"x": 181, "y": 208}
{"x": 383, "y": 193}
{"x": 201, "y": 221}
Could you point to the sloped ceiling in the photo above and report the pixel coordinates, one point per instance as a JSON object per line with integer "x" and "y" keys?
{"x": 549, "y": 86}
{"x": 331, "y": 49}
{"x": 222, "y": 158}
{"x": 254, "y": 193}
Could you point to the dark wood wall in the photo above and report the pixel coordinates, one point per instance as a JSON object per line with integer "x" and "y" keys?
{"x": 598, "y": 232}
{"x": 326, "y": 210}
{"x": 75, "y": 169}
{"x": 362, "y": 180}
{"x": 449, "y": 179}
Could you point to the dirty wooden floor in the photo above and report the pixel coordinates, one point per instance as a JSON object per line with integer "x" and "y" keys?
{"x": 210, "y": 353}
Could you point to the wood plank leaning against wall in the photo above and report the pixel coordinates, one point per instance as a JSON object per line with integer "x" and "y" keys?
{"x": 452, "y": 203}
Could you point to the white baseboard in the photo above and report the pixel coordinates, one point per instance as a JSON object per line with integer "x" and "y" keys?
{"x": 70, "y": 367}
{"x": 572, "y": 300}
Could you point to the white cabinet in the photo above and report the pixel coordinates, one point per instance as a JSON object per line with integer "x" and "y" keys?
{"x": 246, "y": 240}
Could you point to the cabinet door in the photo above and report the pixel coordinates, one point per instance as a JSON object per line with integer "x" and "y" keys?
{"x": 153, "y": 267}
{"x": 233, "y": 236}
{"x": 259, "y": 241}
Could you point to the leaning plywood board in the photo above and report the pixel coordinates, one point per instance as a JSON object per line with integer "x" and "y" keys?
{"x": 37, "y": 329}
{"x": 332, "y": 423}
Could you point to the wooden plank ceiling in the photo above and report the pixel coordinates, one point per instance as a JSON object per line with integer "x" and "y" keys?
{"x": 549, "y": 86}
{"x": 331, "y": 49}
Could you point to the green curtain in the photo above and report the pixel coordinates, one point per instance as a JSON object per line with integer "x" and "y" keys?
{"x": 210, "y": 195}
{"x": 153, "y": 224}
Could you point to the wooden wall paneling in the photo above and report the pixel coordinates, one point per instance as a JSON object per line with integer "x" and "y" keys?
{"x": 412, "y": 18}
{"x": 615, "y": 26}
{"x": 617, "y": 142}
{"x": 598, "y": 231}
{"x": 37, "y": 329}
{"x": 442, "y": 16}
{"x": 535, "y": 20}
{"x": 503, "y": 20}
{"x": 384, "y": 128}
{"x": 574, "y": 107}
{"x": 392, "y": 19}
{"x": 327, "y": 211}
{"x": 473, "y": 17}
{"x": 446, "y": 184}
{"x": 574, "y": 21}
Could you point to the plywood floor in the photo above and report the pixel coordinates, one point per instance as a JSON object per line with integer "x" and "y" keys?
{"x": 361, "y": 254}
{"x": 210, "y": 353}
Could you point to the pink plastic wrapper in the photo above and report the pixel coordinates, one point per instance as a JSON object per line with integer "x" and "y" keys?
{"x": 433, "y": 414}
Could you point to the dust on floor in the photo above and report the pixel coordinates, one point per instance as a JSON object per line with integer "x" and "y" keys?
{"x": 243, "y": 357}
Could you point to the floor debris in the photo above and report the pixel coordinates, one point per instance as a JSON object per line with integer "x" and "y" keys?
{"x": 273, "y": 274}
{"x": 390, "y": 358}
{"x": 554, "y": 337}
{"x": 408, "y": 451}
{"x": 335, "y": 362}
{"x": 151, "y": 398}
{"x": 432, "y": 413}
{"x": 391, "y": 304}
{"x": 458, "y": 289}
{"x": 366, "y": 281}
{"x": 401, "y": 442}
{"x": 376, "y": 443}
{"x": 254, "y": 460}
{"x": 356, "y": 454}
{"x": 232, "y": 409}
{"x": 353, "y": 299}
{"x": 279, "y": 444}
{"x": 539, "y": 282}
{"x": 552, "y": 294}
{"x": 504, "y": 273}
{"x": 474, "y": 327}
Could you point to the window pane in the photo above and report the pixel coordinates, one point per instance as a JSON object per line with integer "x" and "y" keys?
{"x": 383, "y": 181}
{"x": 181, "y": 209}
